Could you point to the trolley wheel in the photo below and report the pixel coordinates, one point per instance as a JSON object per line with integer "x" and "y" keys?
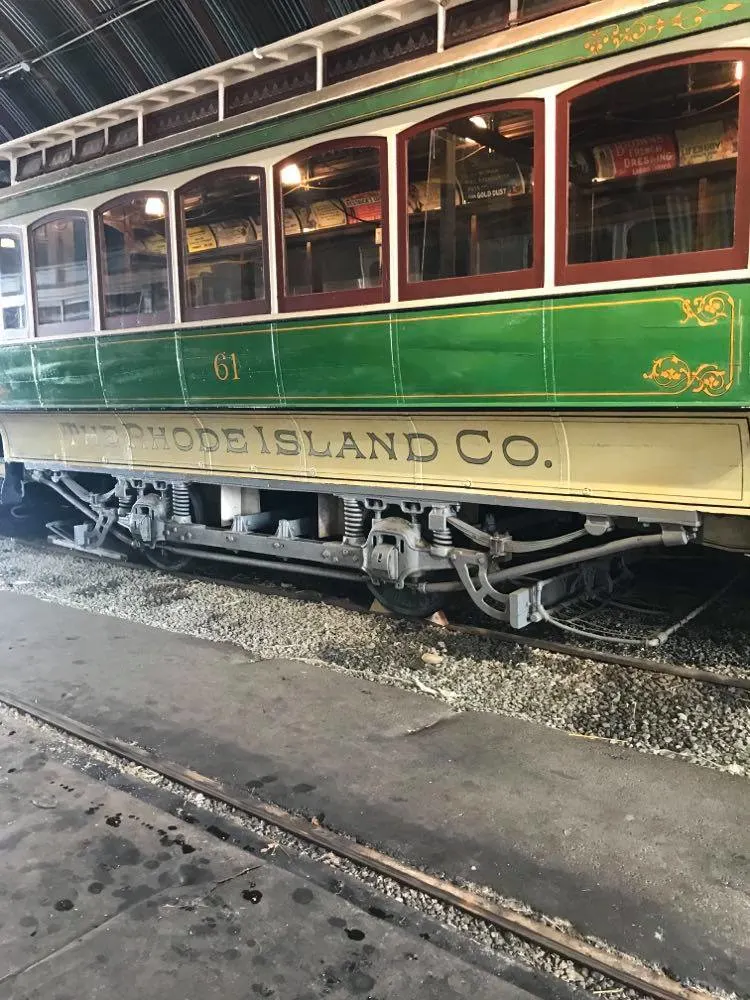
{"x": 406, "y": 602}
{"x": 170, "y": 562}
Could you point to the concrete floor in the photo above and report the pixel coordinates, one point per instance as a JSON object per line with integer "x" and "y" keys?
{"x": 649, "y": 854}
{"x": 102, "y": 893}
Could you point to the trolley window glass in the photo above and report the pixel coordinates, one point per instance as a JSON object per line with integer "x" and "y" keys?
{"x": 333, "y": 225}
{"x": 530, "y": 10}
{"x": 470, "y": 201}
{"x": 133, "y": 245}
{"x": 60, "y": 278}
{"x": 656, "y": 171}
{"x": 12, "y": 287}
{"x": 222, "y": 244}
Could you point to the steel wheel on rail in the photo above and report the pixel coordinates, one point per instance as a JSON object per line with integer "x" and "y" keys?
{"x": 407, "y": 603}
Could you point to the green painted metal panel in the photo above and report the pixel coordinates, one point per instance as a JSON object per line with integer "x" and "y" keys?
{"x": 140, "y": 369}
{"x": 67, "y": 372}
{"x": 653, "y": 348}
{"x": 650, "y": 348}
{"x": 473, "y": 355}
{"x": 18, "y": 387}
{"x": 340, "y": 361}
{"x": 231, "y": 366}
{"x": 678, "y": 20}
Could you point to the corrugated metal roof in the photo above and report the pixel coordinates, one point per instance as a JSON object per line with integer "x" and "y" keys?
{"x": 62, "y": 58}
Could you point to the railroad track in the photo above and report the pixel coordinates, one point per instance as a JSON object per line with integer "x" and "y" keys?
{"x": 509, "y": 638}
{"x": 216, "y": 574}
{"x": 619, "y": 968}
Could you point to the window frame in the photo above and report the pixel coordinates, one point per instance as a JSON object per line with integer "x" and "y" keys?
{"x": 73, "y": 326}
{"x": 351, "y": 297}
{"x": 692, "y": 262}
{"x": 192, "y": 314}
{"x": 129, "y": 321}
{"x": 475, "y": 284}
{"x": 27, "y": 331}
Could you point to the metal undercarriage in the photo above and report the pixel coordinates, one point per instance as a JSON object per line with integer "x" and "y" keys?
{"x": 414, "y": 554}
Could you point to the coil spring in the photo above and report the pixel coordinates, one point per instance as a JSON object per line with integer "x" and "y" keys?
{"x": 181, "y": 509}
{"x": 354, "y": 521}
{"x": 442, "y": 536}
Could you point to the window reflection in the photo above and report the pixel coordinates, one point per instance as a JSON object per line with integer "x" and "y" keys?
{"x": 470, "y": 199}
{"x": 60, "y": 275}
{"x": 332, "y": 218}
{"x": 12, "y": 287}
{"x": 222, "y": 244}
{"x": 134, "y": 261}
{"x": 653, "y": 163}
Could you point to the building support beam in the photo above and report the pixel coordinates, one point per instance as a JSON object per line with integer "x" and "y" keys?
{"x": 114, "y": 47}
{"x": 216, "y": 43}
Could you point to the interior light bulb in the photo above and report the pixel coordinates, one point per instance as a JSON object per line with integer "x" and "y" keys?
{"x": 291, "y": 175}
{"x": 154, "y": 206}
{"x": 479, "y": 121}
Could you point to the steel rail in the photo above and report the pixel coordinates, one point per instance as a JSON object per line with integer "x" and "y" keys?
{"x": 548, "y": 645}
{"x": 614, "y": 965}
{"x": 602, "y": 656}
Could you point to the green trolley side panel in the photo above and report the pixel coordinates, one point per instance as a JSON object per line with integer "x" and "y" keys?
{"x": 67, "y": 372}
{"x": 18, "y": 388}
{"x": 651, "y": 348}
{"x": 231, "y": 367}
{"x": 140, "y": 369}
{"x": 474, "y": 355}
{"x": 662, "y": 347}
{"x": 337, "y": 361}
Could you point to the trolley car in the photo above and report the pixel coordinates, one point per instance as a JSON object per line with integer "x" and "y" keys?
{"x": 447, "y": 297}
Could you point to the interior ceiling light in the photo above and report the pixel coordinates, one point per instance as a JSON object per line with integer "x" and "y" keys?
{"x": 291, "y": 175}
{"x": 738, "y": 70}
{"x": 7, "y": 243}
{"x": 154, "y": 206}
{"x": 479, "y": 121}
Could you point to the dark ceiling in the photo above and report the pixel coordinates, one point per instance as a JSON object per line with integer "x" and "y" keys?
{"x": 61, "y": 58}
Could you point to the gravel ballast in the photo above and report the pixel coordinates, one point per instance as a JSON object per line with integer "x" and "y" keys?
{"x": 703, "y": 724}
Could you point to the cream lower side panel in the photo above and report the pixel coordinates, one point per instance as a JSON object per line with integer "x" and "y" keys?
{"x": 667, "y": 459}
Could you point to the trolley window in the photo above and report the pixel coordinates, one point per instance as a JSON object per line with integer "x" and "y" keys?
{"x": 133, "y": 245}
{"x": 656, "y": 170}
{"x": 12, "y": 287}
{"x": 222, "y": 244}
{"x": 60, "y": 279}
{"x": 333, "y": 225}
{"x": 529, "y": 10}
{"x": 470, "y": 201}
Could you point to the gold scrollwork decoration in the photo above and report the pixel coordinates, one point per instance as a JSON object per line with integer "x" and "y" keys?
{"x": 689, "y": 18}
{"x": 676, "y": 375}
{"x": 707, "y": 310}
